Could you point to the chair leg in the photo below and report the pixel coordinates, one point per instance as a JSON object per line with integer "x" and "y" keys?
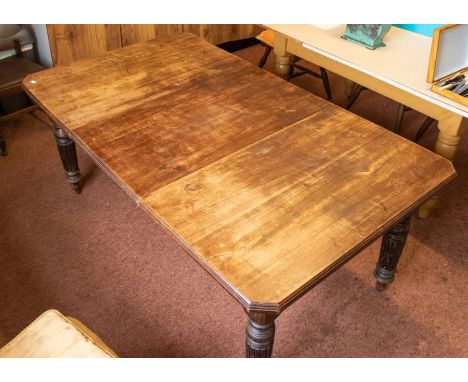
{"x": 399, "y": 119}
{"x": 264, "y": 58}
{"x": 349, "y": 87}
{"x": 326, "y": 82}
{"x": 3, "y": 150}
{"x": 323, "y": 76}
{"x": 357, "y": 90}
{"x": 304, "y": 70}
{"x": 424, "y": 127}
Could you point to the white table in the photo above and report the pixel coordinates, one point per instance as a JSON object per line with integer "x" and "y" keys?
{"x": 397, "y": 71}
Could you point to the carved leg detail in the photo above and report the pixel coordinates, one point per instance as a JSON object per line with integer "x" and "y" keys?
{"x": 260, "y": 335}
{"x": 67, "y": 151}
{"x": 393, "y": 243}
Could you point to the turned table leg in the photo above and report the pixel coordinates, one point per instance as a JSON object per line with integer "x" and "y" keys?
{"x": 284, "y": 66}
{"x": 260, "y": 335}
{"x": 284, "y": 60}
{"x": 67, "y": 151}
{"x": 393, "y": 243}
{"x": 446, "y": 146}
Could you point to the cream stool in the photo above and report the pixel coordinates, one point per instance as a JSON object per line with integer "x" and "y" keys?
{"x": 52, "y": 335}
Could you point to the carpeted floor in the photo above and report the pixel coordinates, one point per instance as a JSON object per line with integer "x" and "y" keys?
{"x": 98, "y": 257}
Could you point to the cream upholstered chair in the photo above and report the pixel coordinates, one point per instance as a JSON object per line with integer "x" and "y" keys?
{"x": 267, "y": 39}
{"x": 52, "y": 335}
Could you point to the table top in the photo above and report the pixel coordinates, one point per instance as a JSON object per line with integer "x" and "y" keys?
{"x": 403, "y": 62}
{"x": 154, "y": 112}
{"x": 267, "y": 186}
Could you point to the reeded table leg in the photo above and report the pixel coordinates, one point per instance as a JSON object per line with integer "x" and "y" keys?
{"x": 67, "y": 151}
{"x": 393, "y": 243}
{"x": 260, "y": 335}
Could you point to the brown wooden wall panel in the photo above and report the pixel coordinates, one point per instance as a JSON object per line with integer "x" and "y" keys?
{"x": 213, "y": 33}
{"x": 69, "y": 42}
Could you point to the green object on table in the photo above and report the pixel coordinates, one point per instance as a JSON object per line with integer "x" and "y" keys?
{"x": 369, "y": 35}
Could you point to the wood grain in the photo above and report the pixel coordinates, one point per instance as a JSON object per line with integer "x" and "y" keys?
{"x": 70, "y": 42}
{"x": 407, "y": 83}
{"x": 212, "y": 33}
{"x": 271, "y": 219}
{"x": 52, "y": 335}
{"x": 154, "y": 112}
{"x": 268, "y": 187}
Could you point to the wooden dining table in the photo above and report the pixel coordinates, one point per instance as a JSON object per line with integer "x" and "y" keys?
{"x": 268, "y": 187}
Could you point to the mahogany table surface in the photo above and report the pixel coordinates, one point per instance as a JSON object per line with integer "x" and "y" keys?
{"x": 267, "y": 186}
